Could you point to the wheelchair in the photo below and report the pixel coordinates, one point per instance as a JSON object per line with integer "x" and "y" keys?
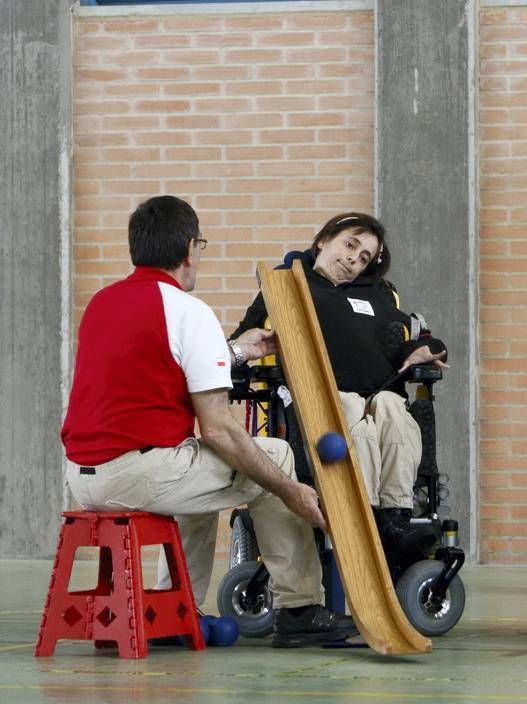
{"x": 427, "y": 583}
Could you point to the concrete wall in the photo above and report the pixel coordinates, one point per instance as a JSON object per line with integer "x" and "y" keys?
{"x": 34, "y": 78}
{"x": 424, "y": 161}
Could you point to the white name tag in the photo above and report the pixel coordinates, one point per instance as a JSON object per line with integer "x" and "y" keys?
{"x": 359, "y": 306}
{"x": 285, "y": 395}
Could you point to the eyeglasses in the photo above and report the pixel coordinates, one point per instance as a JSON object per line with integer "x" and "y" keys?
{"x": 202, "y": 243}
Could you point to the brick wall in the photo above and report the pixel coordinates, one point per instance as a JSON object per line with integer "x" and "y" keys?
{"x": 263, "y": 123}
{"x": 503, "y": 284}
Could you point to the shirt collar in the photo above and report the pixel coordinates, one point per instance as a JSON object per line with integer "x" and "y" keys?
{"x": 150, "y": 273}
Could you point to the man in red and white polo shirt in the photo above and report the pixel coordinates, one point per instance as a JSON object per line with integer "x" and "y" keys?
{"x": 151, "y": 360}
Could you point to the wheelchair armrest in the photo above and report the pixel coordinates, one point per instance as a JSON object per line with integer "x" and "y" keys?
{"x": 258, "y": 372}
{"x": 242, "y": 377}
{"x": 423, "y": 373}
{"x": 268, "y": 372}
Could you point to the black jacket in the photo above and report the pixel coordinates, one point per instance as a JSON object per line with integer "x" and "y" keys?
{"x": 360, "y": 324}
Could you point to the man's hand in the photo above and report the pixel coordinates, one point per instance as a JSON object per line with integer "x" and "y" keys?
{"x": 222, "y": 432}
{"x": 303, "y": 500}
{"x": 257, "y": 343}
{"x": 423, "y": 355}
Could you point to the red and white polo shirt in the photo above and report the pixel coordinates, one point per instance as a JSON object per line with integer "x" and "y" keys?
{"x": 144, "y": 346}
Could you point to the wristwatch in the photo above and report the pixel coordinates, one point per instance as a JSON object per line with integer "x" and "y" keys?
{"x": 239, "y": 357}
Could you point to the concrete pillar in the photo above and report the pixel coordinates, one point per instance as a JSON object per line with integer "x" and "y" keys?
{"x": 35, "y": 66}
{"x": 425, "y": 195}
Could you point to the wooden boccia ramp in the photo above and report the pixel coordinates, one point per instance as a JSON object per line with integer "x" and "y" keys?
{"x": 360, "y": 557}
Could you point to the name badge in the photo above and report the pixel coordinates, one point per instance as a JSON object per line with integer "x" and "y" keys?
{"x": 359, "y": 306}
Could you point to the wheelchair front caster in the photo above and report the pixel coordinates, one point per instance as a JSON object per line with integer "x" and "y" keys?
{"x": 244, "y": 595}
{"x": 430, "y": 614}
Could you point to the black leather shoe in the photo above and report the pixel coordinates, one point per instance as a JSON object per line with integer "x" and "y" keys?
{"x": 310, "y": 625}
{"x": 397, "y": 533}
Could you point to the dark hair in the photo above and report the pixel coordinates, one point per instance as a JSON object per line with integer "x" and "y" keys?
{"x": 159, "y": 231}
{"x": 361, "y": 223}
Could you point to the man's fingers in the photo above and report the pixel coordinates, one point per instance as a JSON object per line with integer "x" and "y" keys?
{"x": 320, "y": 522}
{"x": 307, "y": 506}
{"x": 317, "y": 517}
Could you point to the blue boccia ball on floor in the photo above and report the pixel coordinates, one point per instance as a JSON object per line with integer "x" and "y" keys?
{"x": 205, "y": 631}
{"x": 205, "y": 628}
{"x": 223, "y": 631}
{"x": 332, "y": 447}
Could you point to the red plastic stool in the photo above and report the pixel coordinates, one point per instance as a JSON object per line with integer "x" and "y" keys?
{"x": 119, "y": 609}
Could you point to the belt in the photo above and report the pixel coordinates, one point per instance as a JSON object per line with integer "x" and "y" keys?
{"x": 93, "y": 470}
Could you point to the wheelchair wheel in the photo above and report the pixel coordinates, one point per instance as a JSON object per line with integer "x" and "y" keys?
{"x": 243, "y": 544}
{"x": 413, "y": 591}
{"x": 254, "y": 619}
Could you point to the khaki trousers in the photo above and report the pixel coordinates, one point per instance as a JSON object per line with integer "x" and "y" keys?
{"x": 192, "y": 483}
{"x": 388, "y": 445}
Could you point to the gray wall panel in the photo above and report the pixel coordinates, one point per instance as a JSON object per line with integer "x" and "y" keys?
{"x": 424, "y": 199}
{"x": 34, "y": 49}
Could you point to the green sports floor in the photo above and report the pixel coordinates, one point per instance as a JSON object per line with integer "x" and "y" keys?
{"x": 483, "y": 659}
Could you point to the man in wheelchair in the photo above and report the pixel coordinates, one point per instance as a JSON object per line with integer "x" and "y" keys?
{"x": 374, "y": 348}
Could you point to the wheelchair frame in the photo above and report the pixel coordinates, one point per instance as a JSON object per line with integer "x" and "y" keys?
{"x": 426, "y": 584}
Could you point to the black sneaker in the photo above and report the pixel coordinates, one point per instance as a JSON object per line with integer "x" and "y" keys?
{"x": 310, "y": 625}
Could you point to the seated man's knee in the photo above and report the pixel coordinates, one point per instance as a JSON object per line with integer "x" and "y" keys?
{"x": 280, "y": 452}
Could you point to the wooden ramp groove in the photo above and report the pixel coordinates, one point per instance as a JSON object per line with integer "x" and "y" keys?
{"x": 359, "y": 554}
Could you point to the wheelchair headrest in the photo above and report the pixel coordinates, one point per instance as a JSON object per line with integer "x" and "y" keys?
{"x": 291, "y": 256}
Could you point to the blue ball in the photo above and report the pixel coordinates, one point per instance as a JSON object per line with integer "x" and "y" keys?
{"x": 209, "y": 620}
{"x": 205, "y": 628}
{"x": 223, "y": 631}
{"x": 205, "y": 631}
{"x": 332, "y": 447}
